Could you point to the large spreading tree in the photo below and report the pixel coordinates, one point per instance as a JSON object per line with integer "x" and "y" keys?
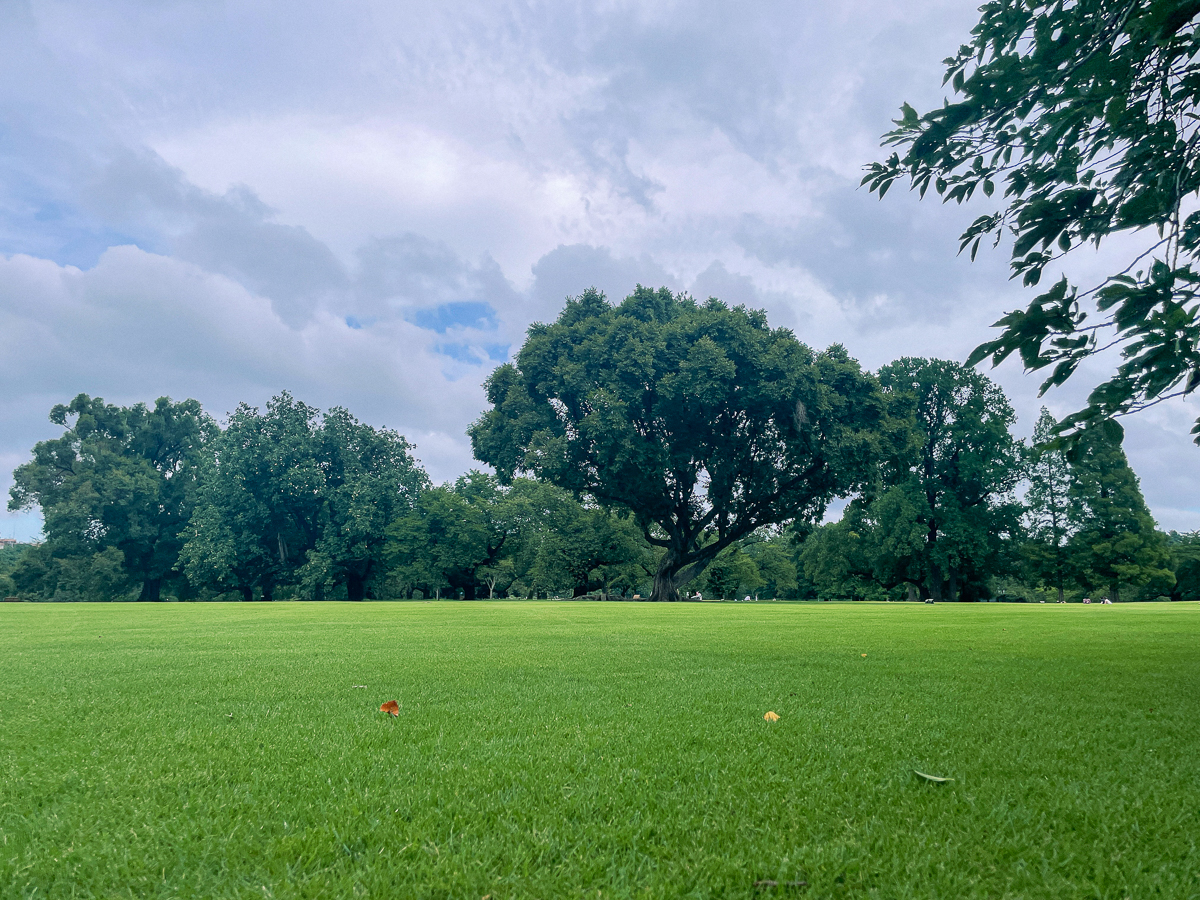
{"x": 1080, "y": 119}
{"x": 702, "y": 420}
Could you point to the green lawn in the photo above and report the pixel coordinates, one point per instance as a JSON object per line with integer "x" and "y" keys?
{"x": 592, "y": 750}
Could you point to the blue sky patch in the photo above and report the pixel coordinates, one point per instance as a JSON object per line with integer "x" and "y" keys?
{"x": 468, "y": 353}
{"x": 463, "y": 313}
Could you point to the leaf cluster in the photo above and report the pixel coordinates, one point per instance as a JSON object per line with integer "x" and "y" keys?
{"x": 1080, "y": 117}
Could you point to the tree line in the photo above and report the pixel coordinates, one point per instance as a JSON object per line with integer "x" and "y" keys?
{"x": 660, "y": 447}
{"x": 145, "y": 502}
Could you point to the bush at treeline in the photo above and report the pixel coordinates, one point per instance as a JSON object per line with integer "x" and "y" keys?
{"x": 676, "y": 448}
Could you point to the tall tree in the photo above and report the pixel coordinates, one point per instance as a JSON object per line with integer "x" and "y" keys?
{"x": 942, "y": 505}
{"x": 118, "y": 480}
{"x": 263, "y": 499}
{"x": 1084, "y": 115}
{"x": 959, "y": 481}
{"x": 370, "y": 479}
{"x": 293, "y": 497}
{"x": 700, "y": 419}
{"x": 1117, "y": 543}
{"x": 1048, "y": 508}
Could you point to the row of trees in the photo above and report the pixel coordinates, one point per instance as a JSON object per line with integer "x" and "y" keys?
{"x": 674, "y": 447}
{"x": 146, "y": 501}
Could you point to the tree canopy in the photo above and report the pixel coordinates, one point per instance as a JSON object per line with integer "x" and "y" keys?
{"x": 702, "y": 420}
{"x": 116, "y": 491}
{"x": 941, "y": 505}
{"x": 451, "y": 535}
{"x": 1050, "y": 515}
{"x": 1117, "y": 543}
{"x": 1083, "y": 117}
{"x": 292, "y": 503}
{"x": 289, "y": 496}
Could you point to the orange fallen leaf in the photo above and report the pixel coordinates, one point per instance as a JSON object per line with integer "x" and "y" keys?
{"x": 771, "y": 716}
{"x": 391, "y": 707}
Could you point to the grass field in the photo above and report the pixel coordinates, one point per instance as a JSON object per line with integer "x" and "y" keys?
{"x": 554, "y": 750}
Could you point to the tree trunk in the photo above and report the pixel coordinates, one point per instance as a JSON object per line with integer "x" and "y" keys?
{"x": 356, "y": 586}
{"x": 914, "y": 594}
{"x": 952, "y": 586}
{"x": 673, "y": 574}
{"x": 151, "y": 590}
{"x": 666, "y": 584}
{"x": 247, "y": 592}
{"x": 469, "y": 591}
{"x": 1115, "y": 593}
{"x": 268, "y": 590}
{"x": 1061, "y": 598}
{"x": 935, "y": 583}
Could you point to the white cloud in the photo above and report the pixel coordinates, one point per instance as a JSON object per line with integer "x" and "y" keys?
{"x": 238, "y": 186}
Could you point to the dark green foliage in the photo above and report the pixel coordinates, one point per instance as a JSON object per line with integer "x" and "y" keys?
{"x": 1185, "y": 560}
{"x": 11, "y": 556}
{"x": 451, "y": 536}
{"x": 732, "y": 575}
{"x": 700, "y": 419}
{"x": 562, "y": 544}
{"x": 370, "y": 479}
{"x": 775, "y": 559}
{"x": 1117, "y": 543}
{"x": 293, "y": 498}
{"x": 1050, "y": 515}
{"x": 262, "y": 501}
{"x": 116, "y": 491}
{"x": 846, "y": 560}
{"x": 1083, "y": 115}
{"x": 942, "y": 507}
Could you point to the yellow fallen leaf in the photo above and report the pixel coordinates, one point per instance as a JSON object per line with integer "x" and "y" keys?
{"x": 771, "y": 716}
{"x": 864, "y": 656}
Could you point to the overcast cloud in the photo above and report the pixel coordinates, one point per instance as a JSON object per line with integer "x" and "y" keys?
{"x": 367, "y": 203}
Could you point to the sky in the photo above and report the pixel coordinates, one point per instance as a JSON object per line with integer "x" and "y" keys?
{"x": 368, "y": 203}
